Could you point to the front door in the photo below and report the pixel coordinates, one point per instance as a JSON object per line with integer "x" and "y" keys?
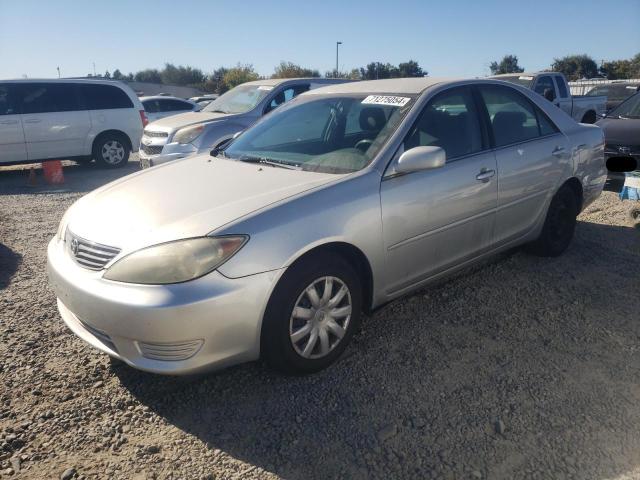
{"x": 12, "y": 146}
{"x": 435, "y": 219}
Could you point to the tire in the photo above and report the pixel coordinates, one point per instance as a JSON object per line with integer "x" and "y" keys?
{"x": 111, "y": 150}
{"x": 292, "y": 356}
{"x": 559, "y": 225}
{"x": 634, "y": 216}
{"x": 589, "y": 117}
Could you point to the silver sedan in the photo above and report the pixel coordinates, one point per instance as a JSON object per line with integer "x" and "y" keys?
{"x": 338, "y": 202}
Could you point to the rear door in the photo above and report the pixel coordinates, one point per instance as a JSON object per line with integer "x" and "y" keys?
{"x": 529, "y": 151}
{"x": 436, "y": 219}
{"x": 12, "y": 144}
{"x": 56, "y": 125}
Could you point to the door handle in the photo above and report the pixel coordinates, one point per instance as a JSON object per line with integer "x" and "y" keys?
{"x": 32, "y": 120}
{"x": 485, "y": 175}
{"x": 558, "y": 152}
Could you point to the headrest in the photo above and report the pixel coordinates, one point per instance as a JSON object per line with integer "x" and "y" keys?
{"x": 372, "y": 119}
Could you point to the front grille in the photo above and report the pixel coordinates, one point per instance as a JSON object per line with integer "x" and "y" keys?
{"x": 89, "y": 254}
{"x": 156, "y": 134}
{"x": 100, "y": 335}
{"x": 170, "y": 351}
{"x": 152, "y": 149}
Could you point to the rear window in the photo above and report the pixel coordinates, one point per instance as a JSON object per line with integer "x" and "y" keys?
{"x": 49, "y": 97}
{"x": 104, "y": 97}
{"x": 174, "y": 106}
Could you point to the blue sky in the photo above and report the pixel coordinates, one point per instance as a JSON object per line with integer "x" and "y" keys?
{"x": 447, "y": 37}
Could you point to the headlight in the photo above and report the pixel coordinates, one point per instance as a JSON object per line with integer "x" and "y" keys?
{"x": 188, "y": 134}
{"x": 175, "y": 262}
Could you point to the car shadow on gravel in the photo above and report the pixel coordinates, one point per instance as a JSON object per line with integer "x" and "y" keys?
{"x": 462, "y": 379}
{"x": 77, "y": 178}
{"x": 9, "y": 263}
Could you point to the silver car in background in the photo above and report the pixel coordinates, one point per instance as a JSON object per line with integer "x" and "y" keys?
{"x": 191, "y": 133}
{"x": 338, "y": 202}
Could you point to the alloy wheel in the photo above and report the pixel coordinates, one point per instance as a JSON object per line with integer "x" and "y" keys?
{"x": 113, "y": 152}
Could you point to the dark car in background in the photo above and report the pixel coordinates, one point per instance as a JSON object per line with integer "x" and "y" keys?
{"x": 622, "y": 136}
{"x": 616, "y": 93}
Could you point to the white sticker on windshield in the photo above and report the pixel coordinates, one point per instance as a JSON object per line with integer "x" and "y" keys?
{"x": 386, "y": 100}
{"x": 265, "y": 87}
{"x": 525, "y": 78}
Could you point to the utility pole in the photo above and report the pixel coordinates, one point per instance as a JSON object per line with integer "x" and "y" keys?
{"x": 94, "y": 69}
{"x": 58, "y": 68}
{"x": 337, "y": 45}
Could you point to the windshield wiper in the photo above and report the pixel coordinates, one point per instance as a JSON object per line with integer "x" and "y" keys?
{"x": 273, "y": 163}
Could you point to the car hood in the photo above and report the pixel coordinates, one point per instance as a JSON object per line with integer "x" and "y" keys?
{"x": 174, "y": 122}
{"x": 183, "y": 199}
{"x": 620, "y": 131}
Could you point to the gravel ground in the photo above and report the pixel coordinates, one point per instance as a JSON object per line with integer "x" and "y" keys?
{"x": 519, "y": 368}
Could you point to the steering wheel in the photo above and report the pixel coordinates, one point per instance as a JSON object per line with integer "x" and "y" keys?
{"x": 364, "y": 144}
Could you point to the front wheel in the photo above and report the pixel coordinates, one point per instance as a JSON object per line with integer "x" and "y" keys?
{"x": 634, "y": 216}
{"x": 111, "y": 151}
{"x": 312, "y": 315}
{"x": 559, "y": 225}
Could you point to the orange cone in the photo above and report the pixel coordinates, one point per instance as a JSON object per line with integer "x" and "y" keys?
{"x": 33, "y": 180}
{"x": 53, "y": 172}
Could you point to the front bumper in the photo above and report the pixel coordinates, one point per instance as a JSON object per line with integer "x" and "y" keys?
{"x": 204, "y": 324}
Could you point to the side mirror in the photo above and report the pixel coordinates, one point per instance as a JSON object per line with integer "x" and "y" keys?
{"x": 421, "y": 158}
{"x": 549, "y": 94}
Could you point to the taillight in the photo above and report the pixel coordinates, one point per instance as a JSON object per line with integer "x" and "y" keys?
{"x": 143, "y": 117}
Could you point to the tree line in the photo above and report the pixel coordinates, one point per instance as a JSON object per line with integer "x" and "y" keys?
{"x": 225, "y": 78}
{"x": 574, "y": 67}
{"x": 577, "y": 67}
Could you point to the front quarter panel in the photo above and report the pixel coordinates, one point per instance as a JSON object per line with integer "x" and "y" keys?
{"x": 345, "y": 211}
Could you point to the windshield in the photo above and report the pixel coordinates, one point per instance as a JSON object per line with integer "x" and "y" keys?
{"x": 239, "y": 99}
{"x": 522, "y": 80}
{"x": 329, "y": 134}
{"x": 630, "y": 108}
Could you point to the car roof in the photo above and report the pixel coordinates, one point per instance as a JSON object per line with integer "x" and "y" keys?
{"x": 64, "y": 80}
{"x": 523, "y": 74}
{"x": 412, "y": 85}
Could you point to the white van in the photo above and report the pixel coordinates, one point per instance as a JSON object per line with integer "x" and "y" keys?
{"x": 69, "y": 119}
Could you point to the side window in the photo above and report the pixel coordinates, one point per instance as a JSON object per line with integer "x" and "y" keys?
{"x": 175, "y": 106}
{"x": 49, "y": 97}
{"x": 8, "y": 104}
{"x": 104, "y": 97}
{"x": 546, "y": 126}
{"x": 449, "y": 121}
{"x": 512, "y": 116}
{"x": 285, "y": 95}
{"x": 562, "y": 86}
{"x": 543, "y": 84}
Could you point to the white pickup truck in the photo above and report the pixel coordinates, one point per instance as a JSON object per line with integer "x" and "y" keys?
{"x": 553, "y": 86}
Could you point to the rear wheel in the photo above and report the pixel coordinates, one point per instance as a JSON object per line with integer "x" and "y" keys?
{"x": 559, "y": 225}
{"x": 312, "y": 315}
{"x": 111, "y": 150}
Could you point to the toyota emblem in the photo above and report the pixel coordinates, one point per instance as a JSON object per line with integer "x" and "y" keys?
{"x": 74, "y": 246}
{"x": 625, "y": 150}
